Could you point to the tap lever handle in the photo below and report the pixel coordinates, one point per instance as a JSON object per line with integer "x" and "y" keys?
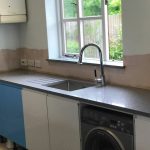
{"x": 95, "y": 73}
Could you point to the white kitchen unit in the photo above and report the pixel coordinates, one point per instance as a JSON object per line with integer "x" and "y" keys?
{"x": 12, "y": 11}
{"x": 63, "y": 117}
{"x": 142, "y": 133}
{"x": 36, "y": 120}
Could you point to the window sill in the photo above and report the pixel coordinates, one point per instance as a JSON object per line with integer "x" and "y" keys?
{"x": 113, "y": 64}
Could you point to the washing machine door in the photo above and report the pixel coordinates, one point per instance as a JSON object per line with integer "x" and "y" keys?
{"x": 102, "y": 139}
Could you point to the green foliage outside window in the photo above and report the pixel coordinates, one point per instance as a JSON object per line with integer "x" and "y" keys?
{"x": 116, "y": 48}
{"x": 70, "y": 10}
{"x": 114, "y": 7}
{"x": 92, "y": 8}
{"x": 73, "y": 47}
{"x": 115, "y": 44}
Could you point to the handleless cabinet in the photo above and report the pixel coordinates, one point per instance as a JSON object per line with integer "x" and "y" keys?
{"x": 36, "y": 120}
{"x": 11, "y": 113}
{"x": 142, "y": 133}
{"x": 63, "y": 119}
{"x": 13, "y": 11}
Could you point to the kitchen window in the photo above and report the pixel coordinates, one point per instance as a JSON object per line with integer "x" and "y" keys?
{"x": 73, "y": 23}
{"x": 91, "y": 21}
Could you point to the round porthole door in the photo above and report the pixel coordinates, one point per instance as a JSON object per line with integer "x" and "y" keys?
{"x": 102, "y": 139}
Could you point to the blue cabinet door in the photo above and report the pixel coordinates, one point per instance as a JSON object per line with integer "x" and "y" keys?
{"x": 11, "y": 114}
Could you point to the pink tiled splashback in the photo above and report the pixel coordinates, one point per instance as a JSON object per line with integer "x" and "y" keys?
{"x": 135, "y": 74}
{"x": 9, "y": 60}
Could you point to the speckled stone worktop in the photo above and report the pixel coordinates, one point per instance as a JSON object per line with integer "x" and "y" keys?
{"x": 126, "y": 99}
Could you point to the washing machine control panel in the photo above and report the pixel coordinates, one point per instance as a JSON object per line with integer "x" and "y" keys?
{"x": 108, "y": 119}
{"x": 121, "y": 125}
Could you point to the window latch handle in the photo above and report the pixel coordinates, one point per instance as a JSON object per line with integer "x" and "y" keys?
{"x": 106, "y": 2}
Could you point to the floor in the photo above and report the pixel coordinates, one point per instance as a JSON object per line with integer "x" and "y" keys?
{"x": 3, "y": 147}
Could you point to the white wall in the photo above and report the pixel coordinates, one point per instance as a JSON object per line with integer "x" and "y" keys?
{"x": 136, "y": 26}
{"x": 33, "y": 34}
{"x": 9, "y": 36}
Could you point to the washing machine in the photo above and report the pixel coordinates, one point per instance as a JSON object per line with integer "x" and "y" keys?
{"x": 104, "y": 129}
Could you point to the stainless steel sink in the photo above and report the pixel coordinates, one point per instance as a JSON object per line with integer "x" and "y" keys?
{"x": 70, "y": 85}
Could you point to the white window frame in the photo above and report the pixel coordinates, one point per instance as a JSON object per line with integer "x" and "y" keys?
{"x": 103, "y": 18}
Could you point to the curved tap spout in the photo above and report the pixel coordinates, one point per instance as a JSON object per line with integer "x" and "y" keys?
{"x": 102, "y": 76}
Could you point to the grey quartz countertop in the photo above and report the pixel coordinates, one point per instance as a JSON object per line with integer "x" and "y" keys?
{"x": 126, "y": 99}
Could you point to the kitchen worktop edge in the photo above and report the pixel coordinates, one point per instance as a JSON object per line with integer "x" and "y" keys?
{"x": 125, "y": 99}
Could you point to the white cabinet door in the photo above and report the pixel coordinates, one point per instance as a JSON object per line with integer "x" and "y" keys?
{"x": 142, "y": 133}
{"x": 36, "y": 120}
{"x": 63, "y": 123}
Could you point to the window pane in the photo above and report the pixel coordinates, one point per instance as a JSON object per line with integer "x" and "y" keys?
{"x": 70, "y": 8}
{"x": 115, "y": 30}
{"x": 72, "y": 42}
{"x": 92, "y": 34}
{"x": 91, "y": 7}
